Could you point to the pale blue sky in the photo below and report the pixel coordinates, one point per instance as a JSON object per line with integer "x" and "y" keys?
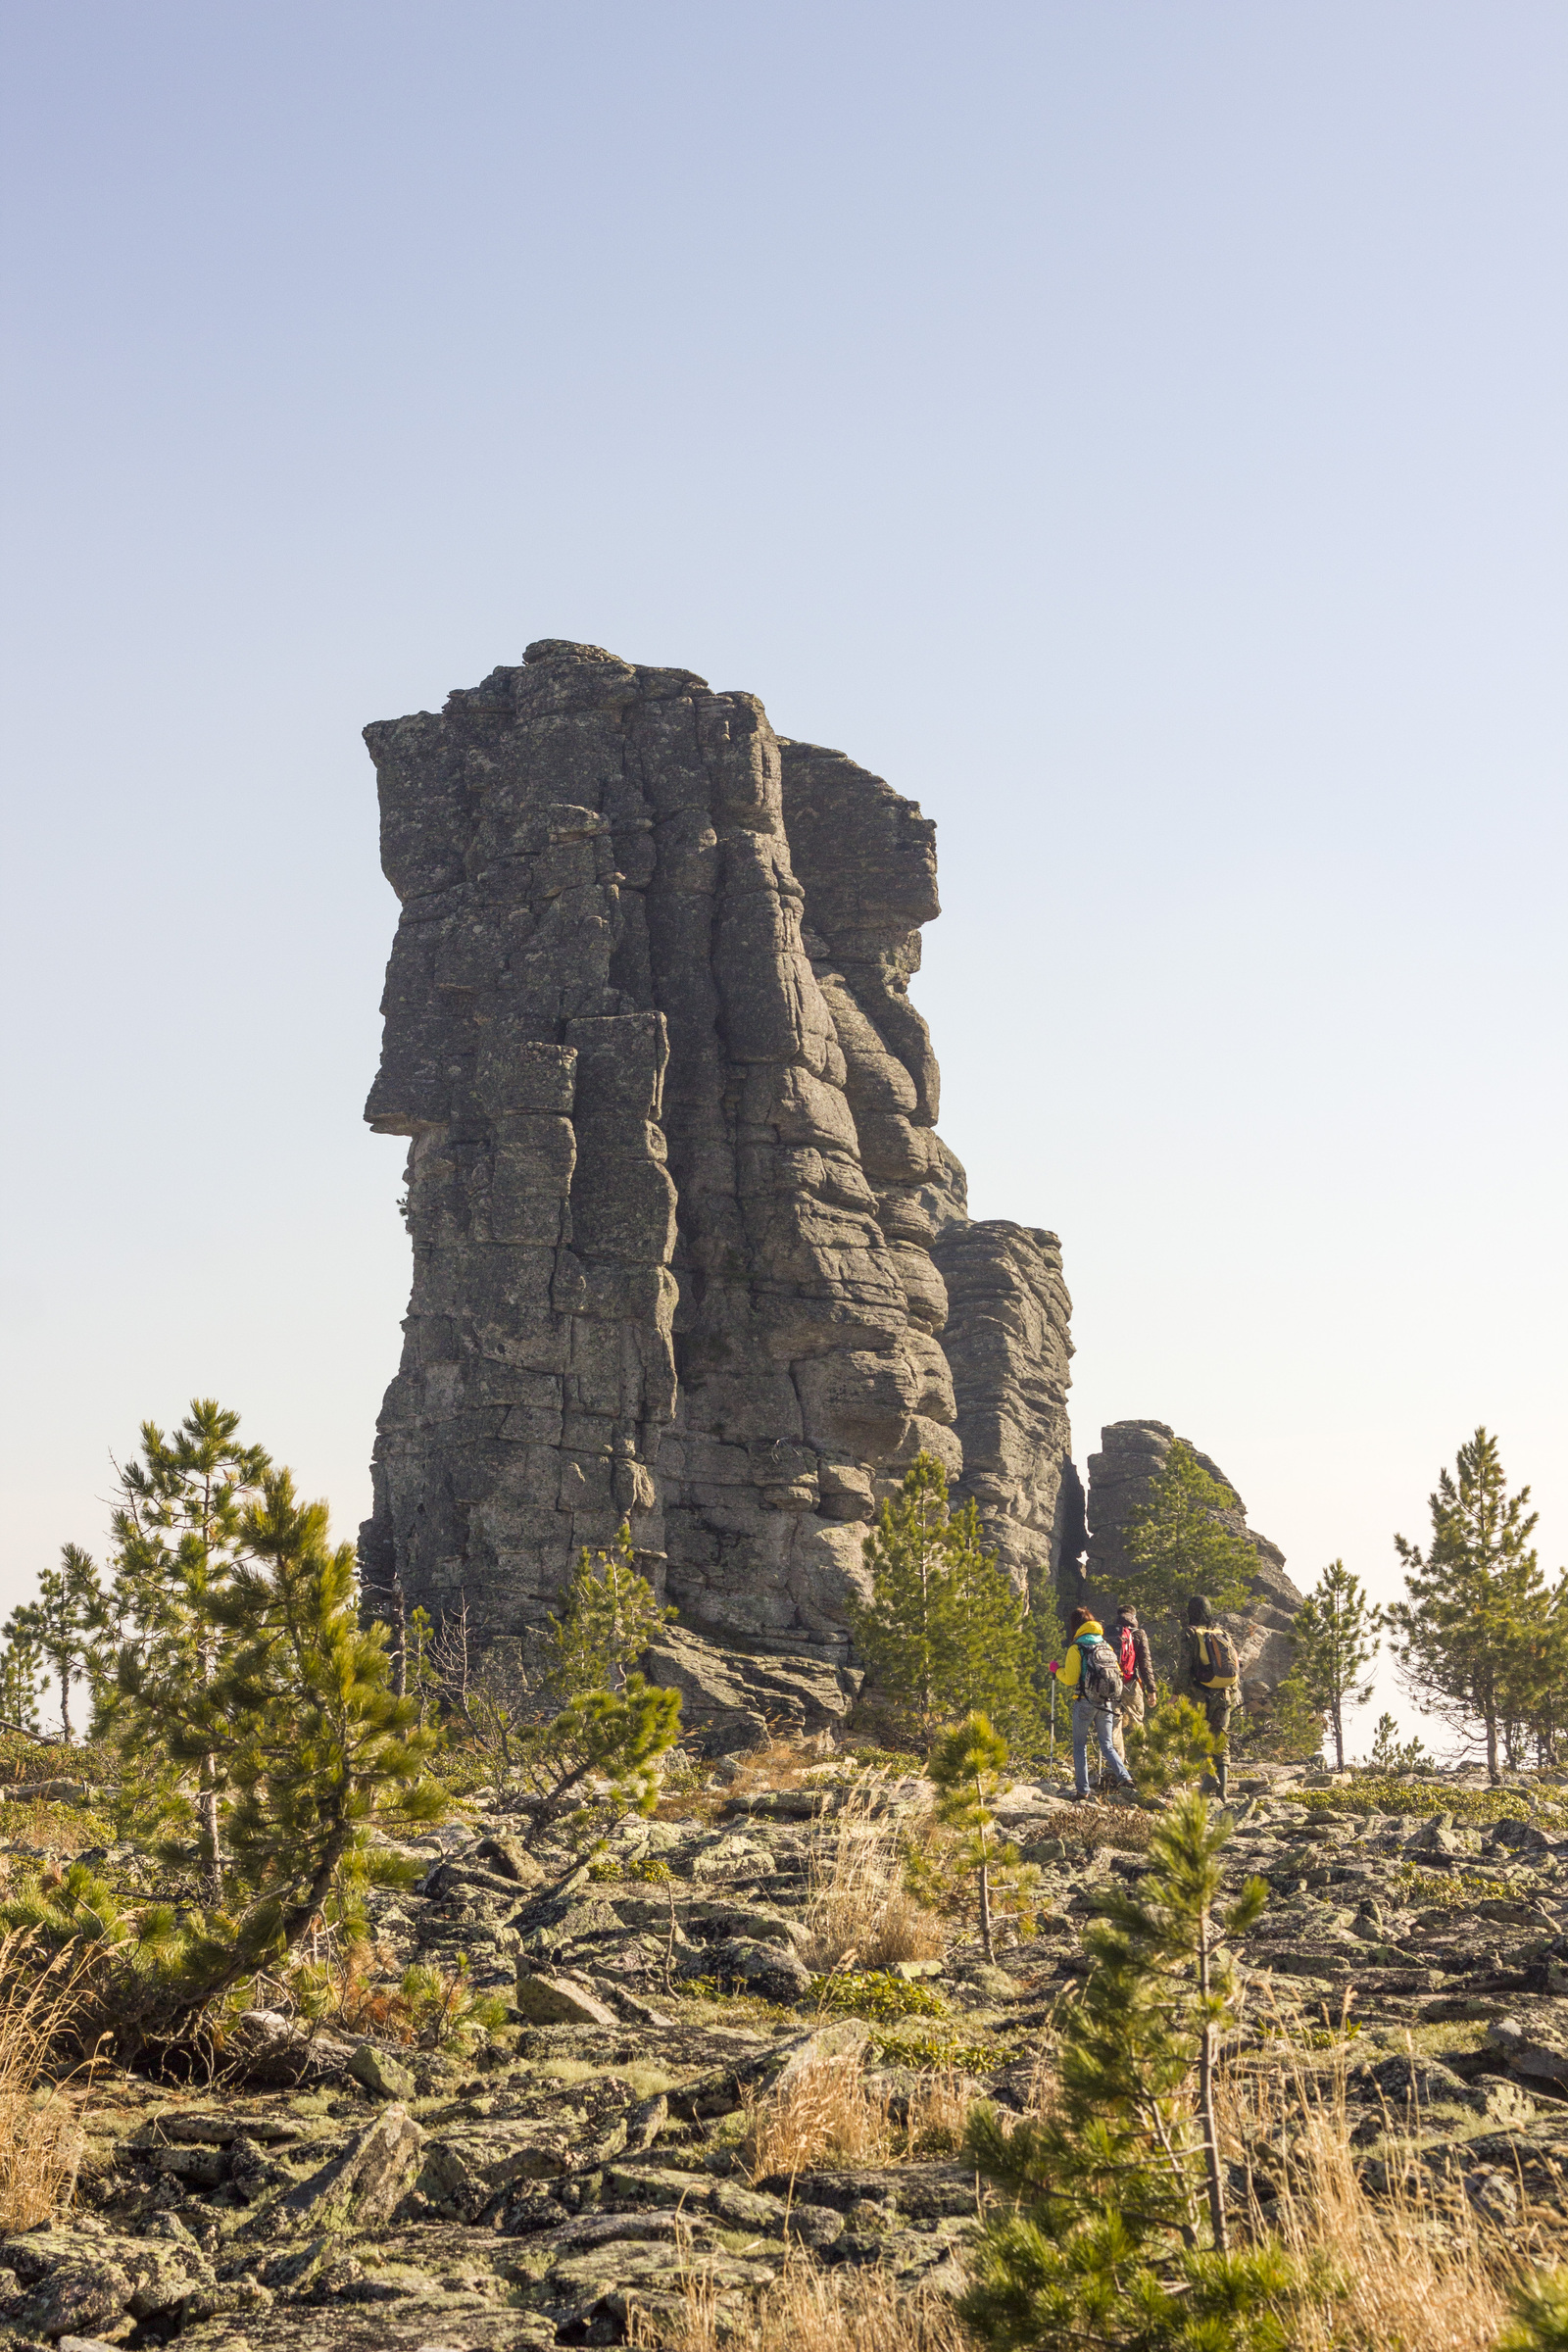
{"x": 1135, "y": 430}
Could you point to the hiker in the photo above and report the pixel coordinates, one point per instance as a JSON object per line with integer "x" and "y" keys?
{"x": 1139, "y": 1689}
{"x": 1212, "y": 1675}
{"x": 1091, "y": 1675}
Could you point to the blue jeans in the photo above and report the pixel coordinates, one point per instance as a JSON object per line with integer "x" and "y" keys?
{"x": 1087, "y": 1717}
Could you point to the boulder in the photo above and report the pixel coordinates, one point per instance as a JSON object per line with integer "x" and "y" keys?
{"x": 1534, "y": 2041}
{"x": 358, "y": 2189}
{"x": 384, "y": 2076}
{"x": 463, "y": 2172}
{"x": 769, "y": 1969}
{"x": 542, "y": 2000}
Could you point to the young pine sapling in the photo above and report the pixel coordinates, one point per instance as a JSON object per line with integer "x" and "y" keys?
{"x": 967, "y": 1767}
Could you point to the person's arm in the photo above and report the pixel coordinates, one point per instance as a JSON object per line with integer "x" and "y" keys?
{"x": 1145, "y": 1665}
{"x": 1072, "y": 1667}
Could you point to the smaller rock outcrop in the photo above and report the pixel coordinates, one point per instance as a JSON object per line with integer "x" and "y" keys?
{"x": 1008, "y": 1349}
{"x": 1131, "y": 1456}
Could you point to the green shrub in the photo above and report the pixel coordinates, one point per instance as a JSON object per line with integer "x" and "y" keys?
{"x": 1471, "y": 1808}
{"x": 878, "y": 1994}
{"x": 1539, "y": 2315}
{"x": 932, "y": 2050}
{"x": 1455, "y": 1891}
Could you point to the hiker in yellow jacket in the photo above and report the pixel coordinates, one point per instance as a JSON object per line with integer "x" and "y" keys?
{"x": 1091, "y": 1676}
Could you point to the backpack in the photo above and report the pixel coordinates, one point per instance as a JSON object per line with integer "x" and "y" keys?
{"x": 1217, "y": 1651}
{"x": 1099, "y": 1672}
{"x": 1129, "y": 1654}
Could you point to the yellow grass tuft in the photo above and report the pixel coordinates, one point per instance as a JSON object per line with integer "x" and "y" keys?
{"x": 824, "y": 2109}
{"x": 1417, "y": 2266}
{"x": 40, "y": 2142}
{"x": 939, "y": 2110}
{"x": 858, "y": 1911}
{"x": 808, "y": 2310}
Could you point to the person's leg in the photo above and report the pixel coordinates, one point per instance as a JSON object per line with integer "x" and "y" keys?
{"x": 1082, "y": 1717}
{"x": 1115, "y": 1733}
{"x": 1217, "y": 1707}
{"x": 1106, "y": 1725}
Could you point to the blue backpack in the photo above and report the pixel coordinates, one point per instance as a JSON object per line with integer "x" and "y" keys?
{"x": 1098, "y": 1669}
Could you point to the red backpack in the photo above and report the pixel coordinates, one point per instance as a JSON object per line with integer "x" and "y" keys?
{"x": 1129, "y": 1654}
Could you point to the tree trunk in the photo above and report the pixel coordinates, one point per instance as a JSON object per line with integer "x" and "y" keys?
{"x": 1494, "y": 1773}
{"x": 1205, "y": 2102}
{"x": 984, "y": 1912}
{"x": 1338, "y": 1712}
{"x": 207, "y": 1805}
{"x": 400, "y": 1640}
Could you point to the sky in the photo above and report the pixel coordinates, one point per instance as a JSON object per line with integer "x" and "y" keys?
{"x": 1133, "y": 427}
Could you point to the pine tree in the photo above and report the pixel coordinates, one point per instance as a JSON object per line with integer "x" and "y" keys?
{"x": 1476, "y": 1598}
{"x": 1179, "y": 1544}
{"x": 178, "y": 1531}
{"x": 311, "y": 1745}
{"x": 1171, "y": 1748}
{"x": 595, "y": 1761}
{"x": 608, "y": 1619}
{"x": 1045, "y": 1646}
{"x": 968, "y": 1768}
{"x": 20, "y": 1668}
{"x": 1334, "y": 1638}
{"x": 1390, "y": 1753}
{"x": 1535, "y": 1686}
{"x": 1118, "y": 2185}
{"x": 1289, "y": 1728}
{"x": 943, "y": 1634}
{"x": 62, "y": 1623}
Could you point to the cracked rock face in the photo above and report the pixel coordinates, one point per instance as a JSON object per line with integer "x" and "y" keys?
{"x": 687, "y": 1248}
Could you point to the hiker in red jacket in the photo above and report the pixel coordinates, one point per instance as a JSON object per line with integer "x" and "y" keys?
{"x": 1138, "y": 1685}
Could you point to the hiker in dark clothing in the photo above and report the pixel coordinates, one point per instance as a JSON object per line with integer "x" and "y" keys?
{"x": 1139, "y": 1689}
{"x": 1208, "y": 1671}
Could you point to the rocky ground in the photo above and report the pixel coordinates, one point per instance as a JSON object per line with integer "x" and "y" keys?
{"x": 600, "y": 2151}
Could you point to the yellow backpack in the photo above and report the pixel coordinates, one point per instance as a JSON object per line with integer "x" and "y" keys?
{"x": 1217, "y": 1651}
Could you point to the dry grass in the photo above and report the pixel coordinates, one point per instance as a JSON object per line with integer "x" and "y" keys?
{"x": 808, "y": 2310}
{"x": 1418, "y": 2266}
{"x": 40, "y": 2143}
{"x": 823, "y": 2109}
{"x": 827, "y": 2111}
{"x": 858, "y": 1911}
{"x": 1124, "y": 1828}
{"x": 939, "y": 2109}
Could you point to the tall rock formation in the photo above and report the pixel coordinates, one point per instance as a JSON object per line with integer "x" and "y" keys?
{"x": 674, "y": 1186}
{"x": 1130, "y": 1454}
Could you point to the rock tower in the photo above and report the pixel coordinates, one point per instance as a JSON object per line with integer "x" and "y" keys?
{"x": 687, "y": 1249}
